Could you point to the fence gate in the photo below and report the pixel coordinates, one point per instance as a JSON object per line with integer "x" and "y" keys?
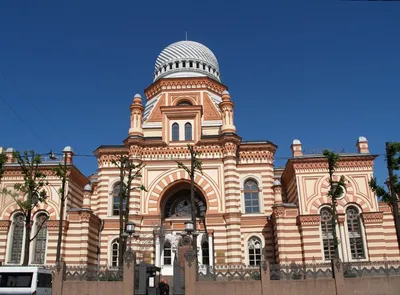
{"x": 179, "y": 276}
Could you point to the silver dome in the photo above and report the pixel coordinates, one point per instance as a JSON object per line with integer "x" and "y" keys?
{"x": 186, "y": 59}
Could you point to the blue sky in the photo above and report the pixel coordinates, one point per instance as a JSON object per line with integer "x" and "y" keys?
{"x": 325, "y": 72}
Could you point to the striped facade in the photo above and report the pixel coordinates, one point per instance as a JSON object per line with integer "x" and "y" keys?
{"x": 247, "y": 208}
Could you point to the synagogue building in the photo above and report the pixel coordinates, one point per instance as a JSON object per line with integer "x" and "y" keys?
{"x": 247, "y": 208}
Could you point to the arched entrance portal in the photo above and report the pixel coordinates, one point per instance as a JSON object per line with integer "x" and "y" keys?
{"x": 175, "y": 209}
{"x": 178, "y": 204}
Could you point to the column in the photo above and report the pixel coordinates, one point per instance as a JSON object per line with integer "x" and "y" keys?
{"x": 211, "y": 248}
{"x": 342, "y": 240}
{"x": 158, "y": 251}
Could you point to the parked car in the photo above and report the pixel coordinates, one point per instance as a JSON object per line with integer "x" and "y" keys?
{"x": 25, "y": 280}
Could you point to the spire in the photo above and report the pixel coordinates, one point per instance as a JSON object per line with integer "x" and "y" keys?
{"x": 136, "y": 116}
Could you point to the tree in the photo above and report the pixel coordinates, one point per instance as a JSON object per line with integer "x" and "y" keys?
{"x": 3, "y": 160}
{"x": 61, "y": 172}
{"x": 29, "y": 194}
{"x": 393, "y": 164}
{"x": 128, "y": 171}
{"x": 336, "y": 189}
{"x": 195, "y": 165}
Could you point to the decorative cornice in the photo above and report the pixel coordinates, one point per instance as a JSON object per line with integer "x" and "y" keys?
{"x": 4, "y": 225}
{"x": 184, "y": 84}
{"x": 372, "y": 217}
{"x": 53, "y": 225}
{"x": 309, "y": 220}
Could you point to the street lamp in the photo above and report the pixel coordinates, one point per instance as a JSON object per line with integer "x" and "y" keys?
{"x": 189, "y": 227}
{"x": 130, "y": 228}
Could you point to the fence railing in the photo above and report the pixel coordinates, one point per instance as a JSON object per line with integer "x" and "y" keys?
{"x": 371, "y": 269}
{"x": 92, "y": 273}
{"x": 228, "y": 272}
{"x": 299, "y": 271}
{"x": 295, "y": 271}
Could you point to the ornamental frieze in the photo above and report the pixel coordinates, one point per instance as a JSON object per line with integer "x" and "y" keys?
{"x": 256, "y": 156}
{"x": 4, "y": 225}
{"x": 322, "y": 165}
{"x": 178, "y": 84}
{"x": 53, "y": 225}
{"x": 372, "y": 217}
{"x": 309, "y": 220}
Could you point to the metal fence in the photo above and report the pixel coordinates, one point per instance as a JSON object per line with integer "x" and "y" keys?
{"x": 296, "y": 271}
{"x": 93, "y": 273}
{"x": 371, "y": 269}
{"x": 228, "y": 272}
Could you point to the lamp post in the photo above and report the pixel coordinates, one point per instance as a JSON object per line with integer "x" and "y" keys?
{"x": 130, "y": 228}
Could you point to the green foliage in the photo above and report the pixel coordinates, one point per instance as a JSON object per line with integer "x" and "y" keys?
{"x": 197, "y": 164}
{"x": 30, "y": 193}
{"x": 393, "y": 162}
{"x": 3, "y": 160}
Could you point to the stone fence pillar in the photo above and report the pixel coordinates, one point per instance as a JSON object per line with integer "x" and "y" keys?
{"x": 58, "y": 279}
{"x": 190, "y": 272}
{"x": 265, "y": 278}
{"x": 338, "y": 276}
{"x": 129, "y": 273}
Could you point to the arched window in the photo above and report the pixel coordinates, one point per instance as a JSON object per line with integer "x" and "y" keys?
{"x": 41, "y": 239}
{"x": 114, "y": 253}
{"x": 184, "y": 103}
{"x": 254, "y": 251}
{"x": 327, "y": 233}
{"x": 188, "y": 131}
{"x": 205, "y": 253}
{"x": 175, "y": 132}
{"x": 116, "y": 198}
{"x": 354, "y": 229}
{"x": 17, "y": 238}
{"x": 167, "y": 253}
{"x": 251, "y": 197}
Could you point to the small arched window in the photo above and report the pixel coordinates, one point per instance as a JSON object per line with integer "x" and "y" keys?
{"x": 167, "y": 253}
{"x": 188, "y": 131}
{"x": 205, "y": 253}
{"x": 184, "y": 103}
{"x": 41, "y": 239}
{"x": 327, "y": 233}
{"x": 17, "y": 238}
{"x": 354, "y": 229}
{"x": 251, "y": 197}
{"x": 254, "y": 251}
{"x": 175, "y": 132}
{"x": 114, "y": 253}
{"x": 116, "y": 198}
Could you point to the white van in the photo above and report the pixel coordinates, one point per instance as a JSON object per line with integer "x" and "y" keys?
{"x": 25, "y": 280}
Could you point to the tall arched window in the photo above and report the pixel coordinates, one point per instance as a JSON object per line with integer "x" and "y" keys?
{"x": 254, "y": 251}
{"x": 116, "y": 198}
{"x": 17, "y": 238}
{"x": 175, "y": 132}
{"x": 251, "y": 197}
{"x": 167, "y": 253}
{"x": 205, "y": 253}
{"x": 114, "y": 253}
{"x": 188, "y": 131}
{"x": 327, "y": 233}
{"x": 41, "y": 239}
{"x": 354, "y": 229}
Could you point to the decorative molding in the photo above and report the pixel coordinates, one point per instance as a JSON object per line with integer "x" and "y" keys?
{"x": 279, "y": 212}
{"x": 309, "y": 220}
{"x": 372, "y": 217}
{"x": 53, "y": 225}
{"x": 190, "y": 256}
{"x": 184, "y": 83}
{"x": 5, "y": 225}
{"x": 341, "y": 218}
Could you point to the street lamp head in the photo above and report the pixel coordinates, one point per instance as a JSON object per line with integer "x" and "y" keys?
{"x": 130, "y": 228}
{"x": 52, "y": 155}
{"x": 189, "y": 226}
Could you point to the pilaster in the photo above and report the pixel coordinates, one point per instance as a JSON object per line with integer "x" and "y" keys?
{"x": 310, "y": 237}
{"x": 4, "y": 228}
{"x": 374, "y": 235}
{"x": 232, "y": 201}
